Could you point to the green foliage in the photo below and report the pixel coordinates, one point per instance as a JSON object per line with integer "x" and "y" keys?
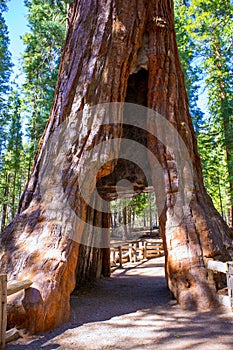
{"x": 205, "y": 41}
{"x": 5, "y": 72}
{"x": 212, "y": 151}
{"x": 205, "y": 35}
{"x": 212, "y": 30}
{"x": 5, "y": 59}
{"x": 40, "y": 63}
{"x": 3, "y": 6}
{"x": 139, "y": 211}
{"x": 12, "y": 172}
{"x": 188, "y": 53}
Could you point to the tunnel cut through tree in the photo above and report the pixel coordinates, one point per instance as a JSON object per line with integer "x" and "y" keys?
{"x": 107, "y": 42}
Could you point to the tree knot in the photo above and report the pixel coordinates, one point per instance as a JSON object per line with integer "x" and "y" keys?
{"x": 159, "y": 22}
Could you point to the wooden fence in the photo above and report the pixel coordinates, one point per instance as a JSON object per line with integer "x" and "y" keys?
{"x": 134, "y": 251}
{"x": 226, "y": 268}
{"x": 6, "y": 290}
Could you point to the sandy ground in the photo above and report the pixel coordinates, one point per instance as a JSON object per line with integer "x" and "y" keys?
{"x": 134, "y": 310}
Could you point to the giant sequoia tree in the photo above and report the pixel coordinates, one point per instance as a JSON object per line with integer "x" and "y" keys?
{"x": 115, "y": 51}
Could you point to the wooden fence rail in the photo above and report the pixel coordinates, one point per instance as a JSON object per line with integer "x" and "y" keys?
{"x": 226, "y": 268}
{"x": 134, "y": 251}
{"x": 3, "y": 314}
{"x": 6, "y": 290}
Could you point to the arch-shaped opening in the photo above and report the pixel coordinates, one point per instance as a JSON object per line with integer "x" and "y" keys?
{"x": 139, "y": 284}
{"x": 128, "y": 182}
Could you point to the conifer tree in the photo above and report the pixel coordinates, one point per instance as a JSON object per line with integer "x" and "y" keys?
{"x": 204, "y": 33}
{"x": 5, "y": 71}
{"x": 188, "y": 54}
{"x": 47, "y": 23}
{"x": 11, "y": 176}
{"x": 211, "y": 29}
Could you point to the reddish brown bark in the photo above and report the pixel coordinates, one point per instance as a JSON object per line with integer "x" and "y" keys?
{"x": 201, "y": 233}
{"x": 101, "y": 47}
{"x": 101, "y": 50}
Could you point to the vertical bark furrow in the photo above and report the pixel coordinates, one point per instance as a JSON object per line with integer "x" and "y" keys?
{"x": 195, "y": 237}
{"x": 101, "y": 47}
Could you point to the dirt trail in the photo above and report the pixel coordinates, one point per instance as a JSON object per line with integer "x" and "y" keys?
{"x": 134, "y": 310}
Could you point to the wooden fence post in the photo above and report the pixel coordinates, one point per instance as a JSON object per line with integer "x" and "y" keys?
{"x": 227, "y": 268}
{"x": 141, "y": 249}
{"x": 135, "y": 252}
{"x": 230, "y": 282}
{"x": 145, "y": 250}
{"x": 120, "y": 255}
{"x": 130, "y": 252}
{"x": 3, "y": 310}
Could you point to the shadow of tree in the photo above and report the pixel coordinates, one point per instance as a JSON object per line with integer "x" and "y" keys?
{"x": 133, "y": 310}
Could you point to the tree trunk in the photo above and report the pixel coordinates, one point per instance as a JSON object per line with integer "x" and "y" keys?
{"x": 200, "y": 234}
{"x": 55, "y": 234}
{"x": 6, "y": 204}
{"x": 225, "y": 115}
{"x": 125, "y": 222}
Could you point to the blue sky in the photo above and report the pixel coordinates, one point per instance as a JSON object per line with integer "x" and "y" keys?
{"x": 17, "y": 26}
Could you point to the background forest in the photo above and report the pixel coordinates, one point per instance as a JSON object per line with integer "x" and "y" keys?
{"x": 205, "y": 41}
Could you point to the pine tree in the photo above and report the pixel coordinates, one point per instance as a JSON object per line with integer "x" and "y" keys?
{"x": 204, "y": 33}
{"x": 47, "y": 23}
{"x": 212, "y": 32}
{"x": 211, "y": 148}
{"x": 139, "y": 211}
{"x": 40, "y": 64}
{"x": 11, "y": 176}
{"x": 188, "y": 54}
{"x": 5, "y": 71}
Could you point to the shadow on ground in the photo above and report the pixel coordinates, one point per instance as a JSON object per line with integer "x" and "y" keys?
{"x": 133, "y": 310}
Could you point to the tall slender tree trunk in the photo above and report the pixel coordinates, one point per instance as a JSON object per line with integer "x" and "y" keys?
{"x": 6, "y": 204}
{"x": 150, "y": 211}
{"x": 125, "y": 222}
{"x": 14, "y": 191}
{"x": 225, "y": 115}
{"x": 100, "y": 53}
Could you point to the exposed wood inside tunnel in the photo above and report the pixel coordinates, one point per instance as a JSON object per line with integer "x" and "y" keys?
{"x": 94, "y": 262}
{"x": 137, "y": 90}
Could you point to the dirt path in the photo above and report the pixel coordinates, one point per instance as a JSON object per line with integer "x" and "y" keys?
{"x": 134, "y": 310}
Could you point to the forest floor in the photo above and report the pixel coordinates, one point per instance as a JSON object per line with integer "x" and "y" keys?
{"x": 134, "y": 310}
